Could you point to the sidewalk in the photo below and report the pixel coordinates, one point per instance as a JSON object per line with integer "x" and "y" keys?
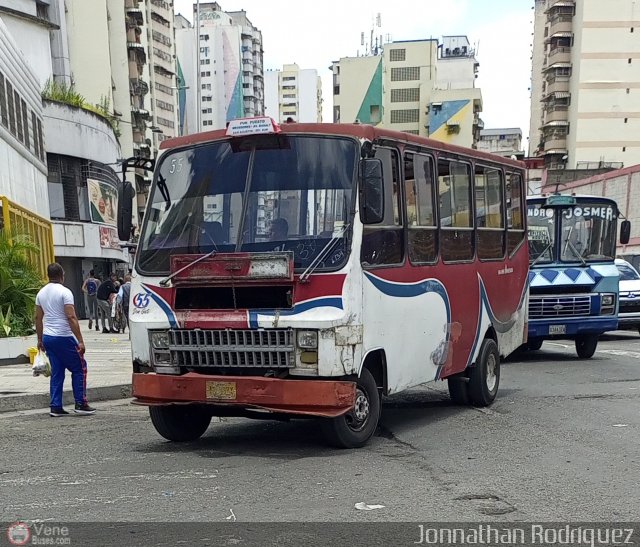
{"x": 109, "y": 375}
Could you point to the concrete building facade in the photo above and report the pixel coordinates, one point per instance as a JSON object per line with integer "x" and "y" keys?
{"x": 422, "y": 87}
{"x": 221, "y": 64}
{"x": 585, "y": 95}
{"x": 505, "y": 141}
{"x": 293, "y": 93}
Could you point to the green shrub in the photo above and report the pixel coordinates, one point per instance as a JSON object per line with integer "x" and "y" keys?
{"x": 20, "y": 281}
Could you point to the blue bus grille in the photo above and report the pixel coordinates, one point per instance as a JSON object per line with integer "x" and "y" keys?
{"x": 549, "y": 307}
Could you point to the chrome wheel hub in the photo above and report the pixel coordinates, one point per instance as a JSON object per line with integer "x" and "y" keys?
{"x": 492, "y": 377}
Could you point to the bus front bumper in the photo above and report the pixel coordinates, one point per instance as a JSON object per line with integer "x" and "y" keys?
{"x": 541, "y": 328}
{"x": 324, "y": 398}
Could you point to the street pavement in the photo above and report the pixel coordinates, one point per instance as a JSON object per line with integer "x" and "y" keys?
{"x": 560, "y": 443}
{"x": 109, "y": 374}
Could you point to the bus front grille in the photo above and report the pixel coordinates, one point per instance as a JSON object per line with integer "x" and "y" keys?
{"x": 578, "y": 305}
{"x": 260, "y": 348}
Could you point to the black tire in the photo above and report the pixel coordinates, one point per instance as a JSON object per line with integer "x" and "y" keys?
{"x": 180, "y": 423}
{"x": 458, "y": 390}
{"x": 348, "y": 430}
{"x": 484, "y": 376}
{"x": 534, "y": 344}
{"x": 586, "y": 345}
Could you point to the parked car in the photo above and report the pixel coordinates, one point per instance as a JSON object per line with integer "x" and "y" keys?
{"x": 629, "y": 314}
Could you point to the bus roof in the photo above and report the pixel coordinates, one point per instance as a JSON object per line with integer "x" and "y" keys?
{"x": 578, "y": 197}
{"x": 353, "y": 130}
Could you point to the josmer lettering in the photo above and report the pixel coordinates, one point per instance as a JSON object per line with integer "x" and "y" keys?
{"x": 536, "y": 534}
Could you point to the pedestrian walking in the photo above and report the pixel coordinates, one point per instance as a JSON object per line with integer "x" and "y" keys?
{"x": 105, "y": 290}
{"x": 59, "y": 336}
{"x": 123, "y": 300}
{"x": 90, "y": 289}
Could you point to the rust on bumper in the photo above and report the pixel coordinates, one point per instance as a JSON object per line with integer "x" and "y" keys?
{"x": 307, "y": 397}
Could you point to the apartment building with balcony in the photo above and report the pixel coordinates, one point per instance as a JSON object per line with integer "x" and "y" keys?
{"x": 584, "y": 92}
{"x": 293, "y": 93}
{"x": 504, "y": 141}
{"x": 422, "y": 87}
{"x": 221, "y": 60}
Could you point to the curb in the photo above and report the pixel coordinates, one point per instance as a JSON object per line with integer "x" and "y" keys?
{"x": 14, "y": 403}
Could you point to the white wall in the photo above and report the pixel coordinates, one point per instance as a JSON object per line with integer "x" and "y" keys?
{"x": 82, "y": 239}
{"x": 33, "y": 41}
{"x": 272, "y": 94}
{"x": 23, "y": 176}
{"x": 308, "y": 96}
{"x": 76, "y": 132}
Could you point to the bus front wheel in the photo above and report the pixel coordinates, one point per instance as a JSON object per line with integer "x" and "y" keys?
{"x": 484, "y": 376}
{"x": 356, "y": 427}
{"x": 180, "y": 423}
{"x": 586, "y": 345}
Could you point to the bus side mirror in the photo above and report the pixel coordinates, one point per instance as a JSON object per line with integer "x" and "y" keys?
{"x": 625, "y": 232}
{"x": 125, "y": 210}
{"x": 371, "y": 191}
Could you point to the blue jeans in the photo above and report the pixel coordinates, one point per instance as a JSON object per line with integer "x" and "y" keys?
{"x": 62, "y": 352}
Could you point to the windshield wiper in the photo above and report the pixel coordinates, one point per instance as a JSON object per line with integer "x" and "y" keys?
{"x": 535, "y": 261}
{"x": 575, "y": 251}
{"x": 164, "y": 191}
{"x": 164, "y": 282}
{"x": 325, "y": 250}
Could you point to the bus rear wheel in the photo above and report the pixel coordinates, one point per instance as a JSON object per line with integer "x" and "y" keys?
{"x": 356, "y": 427}
{"x": 484, "y": 376}
{"x": 180, "y": 423}
{"x": 586, "y": 345}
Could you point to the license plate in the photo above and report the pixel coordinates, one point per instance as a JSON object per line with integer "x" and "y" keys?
{"x": 557, "y": 329}
{"x": 225, "y": 391}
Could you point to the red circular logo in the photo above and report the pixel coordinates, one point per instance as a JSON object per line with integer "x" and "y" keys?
{"x": 18, "y": 533}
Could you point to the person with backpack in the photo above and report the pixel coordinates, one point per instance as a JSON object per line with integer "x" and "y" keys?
{"x": 123, "y": 300}
{"x": 90, "y": 289}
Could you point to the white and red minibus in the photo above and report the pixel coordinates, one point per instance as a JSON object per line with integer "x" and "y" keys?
{"x": 310, "y": 269}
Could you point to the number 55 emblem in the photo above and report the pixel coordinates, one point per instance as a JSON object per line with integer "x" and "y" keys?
{"x": 141, "y": 300}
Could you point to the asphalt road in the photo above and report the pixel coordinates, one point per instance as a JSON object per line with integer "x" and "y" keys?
{"x": 560, "y": 443}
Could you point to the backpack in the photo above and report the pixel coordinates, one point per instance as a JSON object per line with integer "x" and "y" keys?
{"x": 92, "y": 287}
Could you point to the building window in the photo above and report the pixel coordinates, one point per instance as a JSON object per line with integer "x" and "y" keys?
{"x": 204, "y": 37}
{"x": 411, "y": 131}
{"x": 336, "y": 114}
{"x": 397, "y": 54}
{"x": 205, "y": 74}
{"x": 25, "y": 123}
{"x": 206, "y": 86}
{"x": 40, "y": 141}
{"x": 411, "y": 115}
{"x": 12, "y": 112}
{"x": 165, "y": 122}
{"x": 405, "y": 95}
{"x": 205, "y": 61}
{"x": 4, "y": 115}
{"x": 207, "y": 110}
{"x": 289, "y": 79}
{"x": 19, "y": 126}
{"x": 164, "y": 105}
{"x": 375, "y": 113}
{"x": 206, "y": 99}
{"x": 405, "y": 73}
{"x": 205, "y": 50}
{"x": 34, "y": 124}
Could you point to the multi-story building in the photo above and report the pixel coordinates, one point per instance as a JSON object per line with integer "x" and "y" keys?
{"x": 24, "y": 200}
{"x": 420, "y": 87}
{"x": 293, "y": 93}
{"x": 585, "y": 98}
{"x": 505, "y": 141}
{"x": 220, "y": 58}
{"x": 75, "y": 128}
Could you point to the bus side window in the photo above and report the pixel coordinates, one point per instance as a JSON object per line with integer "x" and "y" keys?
{"x": 383, "y": 244}
{"x": 421, "y": 221}
{"x": 456, "y": 219}
{"x": 515, "y": 211}
{"x": 489, "y": 213}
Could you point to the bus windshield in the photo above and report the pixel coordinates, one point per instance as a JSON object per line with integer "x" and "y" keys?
{"x": 256, "y": 194}
{"x": 587, "y": 232}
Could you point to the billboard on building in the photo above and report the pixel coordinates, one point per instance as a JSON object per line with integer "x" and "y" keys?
{"x": 109, "y": 238}
{"x": 103, "y": 202}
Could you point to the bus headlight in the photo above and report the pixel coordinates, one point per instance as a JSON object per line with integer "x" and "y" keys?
{"x": 307, "y": 339}
{"x": 160, "y": 339}
{"x": 607, "y": 304}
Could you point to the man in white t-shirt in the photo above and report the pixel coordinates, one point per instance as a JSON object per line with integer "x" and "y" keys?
{"x": 59, "y": 335}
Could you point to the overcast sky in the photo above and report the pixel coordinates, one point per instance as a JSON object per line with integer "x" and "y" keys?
{"x": 313, "y": 34}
